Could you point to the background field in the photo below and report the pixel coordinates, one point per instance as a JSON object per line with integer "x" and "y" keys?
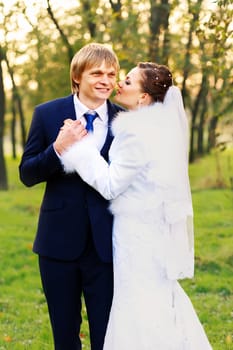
{"x": 23, "y": 313}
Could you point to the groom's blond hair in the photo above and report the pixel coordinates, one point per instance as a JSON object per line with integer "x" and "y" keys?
{"x": 89, "y": 56}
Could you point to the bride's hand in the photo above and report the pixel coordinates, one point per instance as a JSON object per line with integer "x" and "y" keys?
{"x": 71, "y": 132}
{"x": 69, "y": 122}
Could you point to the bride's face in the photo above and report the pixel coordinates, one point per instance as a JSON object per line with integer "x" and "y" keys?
{"x": 129, "y": 90}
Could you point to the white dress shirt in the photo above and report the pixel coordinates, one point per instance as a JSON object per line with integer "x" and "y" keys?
{"x": 100, "y": 123}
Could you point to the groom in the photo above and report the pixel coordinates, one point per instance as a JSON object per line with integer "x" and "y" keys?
{"x": 74, "y": 240}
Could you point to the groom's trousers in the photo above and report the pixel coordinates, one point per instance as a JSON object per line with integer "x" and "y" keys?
{"x": 64, "y": 282}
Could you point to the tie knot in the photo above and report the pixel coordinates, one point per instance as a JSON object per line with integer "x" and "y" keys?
{"x": 90, "y": 117}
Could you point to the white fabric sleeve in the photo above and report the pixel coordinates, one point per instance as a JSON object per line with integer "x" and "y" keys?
{"x": 126, "y": 159}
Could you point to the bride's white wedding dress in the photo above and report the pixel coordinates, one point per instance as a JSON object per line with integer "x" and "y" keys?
{"x": 149, "y": 311}
{"x": 147, "y": 182}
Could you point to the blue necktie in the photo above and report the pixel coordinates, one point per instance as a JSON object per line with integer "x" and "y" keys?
{"x": 90, "y": 117}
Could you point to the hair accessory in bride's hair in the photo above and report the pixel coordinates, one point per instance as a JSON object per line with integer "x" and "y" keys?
{"x": 156, "y": 79}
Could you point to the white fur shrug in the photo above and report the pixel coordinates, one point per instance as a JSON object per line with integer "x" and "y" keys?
{"x": 148, "y": 170}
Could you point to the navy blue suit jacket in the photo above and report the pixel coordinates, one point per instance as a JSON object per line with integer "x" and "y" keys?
{"x": 69, "y": 205}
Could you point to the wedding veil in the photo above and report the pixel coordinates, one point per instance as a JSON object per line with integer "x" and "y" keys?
{"x": 177, "y": 199}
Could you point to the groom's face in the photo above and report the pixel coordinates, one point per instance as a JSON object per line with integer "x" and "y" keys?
{"x": 96, "y": 84}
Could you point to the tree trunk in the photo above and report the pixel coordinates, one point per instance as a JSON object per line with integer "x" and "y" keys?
{"x": 21, "y": 118}
{"x": 13, "y": 123}
{"x": 166, "y": 38}
{"x": 204, "y": 106}
{"x": 192, "y": 142}
{"x": 3, "y": 172}
{"x": 89, "y": 19}
{"x": 18, "y": 102}
{"x": 158, "y": 21}
{"x": 199, "y": 101}
{"x": 200, "y": 135}
{"x": 116, "y": 8}
{"x": 194, "y": 11}
{"x": 194, "y": 112}
{"x": 212, "y": 133}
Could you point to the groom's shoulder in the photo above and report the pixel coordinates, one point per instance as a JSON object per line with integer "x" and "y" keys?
{"x": 60, "y": 101}
{"x": 114, "y": 108}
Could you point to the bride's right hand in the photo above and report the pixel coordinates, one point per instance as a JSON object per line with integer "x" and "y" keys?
{"x": 71, "y": 132}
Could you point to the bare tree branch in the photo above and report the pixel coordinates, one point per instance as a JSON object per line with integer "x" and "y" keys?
{"x": 63, "y": 36}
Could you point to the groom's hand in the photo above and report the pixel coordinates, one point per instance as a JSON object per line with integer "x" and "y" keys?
{"x": 71, "y": 132}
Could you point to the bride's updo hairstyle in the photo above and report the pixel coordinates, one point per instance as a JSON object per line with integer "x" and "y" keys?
{"x": 156, "y": 79}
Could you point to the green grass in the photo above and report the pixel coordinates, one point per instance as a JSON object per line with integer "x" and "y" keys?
{"x": 24, "y": 322}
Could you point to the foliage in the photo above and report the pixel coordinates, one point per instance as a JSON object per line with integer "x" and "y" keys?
{"x": 194, "y": 37}
{"x": 24, "y": 322}
{"x": 213, "y": 171}
{"x": 39, "y": 55}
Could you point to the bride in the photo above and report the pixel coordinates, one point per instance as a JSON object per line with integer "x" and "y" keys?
{"x": 147, "y": 182}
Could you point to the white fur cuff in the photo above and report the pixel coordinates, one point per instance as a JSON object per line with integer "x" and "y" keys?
{"x": 76, "y": 154}
{"x": 68, "y": 158}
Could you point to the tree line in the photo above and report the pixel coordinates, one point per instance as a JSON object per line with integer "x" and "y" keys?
{"x": 37, "y": 43}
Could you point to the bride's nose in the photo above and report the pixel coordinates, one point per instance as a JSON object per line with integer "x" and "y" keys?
{"x": 120, "y": 83}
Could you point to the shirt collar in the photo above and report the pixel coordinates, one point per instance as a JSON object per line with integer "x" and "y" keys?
{"x": 80, "y": 109}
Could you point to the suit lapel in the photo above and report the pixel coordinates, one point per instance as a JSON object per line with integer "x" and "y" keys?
{"x": 68, "y": 108}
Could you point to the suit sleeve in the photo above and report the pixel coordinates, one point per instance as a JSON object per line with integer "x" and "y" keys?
{"x": 39, "y": 161}
{"x": 126, "y": 160}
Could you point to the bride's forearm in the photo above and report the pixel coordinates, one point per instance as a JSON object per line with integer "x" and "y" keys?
{"x": 110, "y": 180}
{"x": 86, "y": 160}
